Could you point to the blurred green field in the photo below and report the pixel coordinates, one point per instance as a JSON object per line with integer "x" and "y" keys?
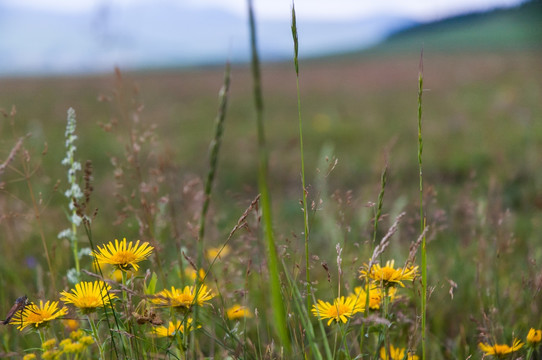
{"x": 482, "y": 135}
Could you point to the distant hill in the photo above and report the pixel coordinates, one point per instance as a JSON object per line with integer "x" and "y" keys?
{"x": 511, "y": 29}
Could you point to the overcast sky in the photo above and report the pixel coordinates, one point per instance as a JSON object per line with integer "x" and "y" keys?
{"x": 421, "y": 10}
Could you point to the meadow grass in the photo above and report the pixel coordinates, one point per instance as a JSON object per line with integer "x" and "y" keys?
{"x": 439, "y": 264}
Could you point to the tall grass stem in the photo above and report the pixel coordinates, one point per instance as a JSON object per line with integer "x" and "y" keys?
{"x": 213, "y": 164}
{"x": 422, "y": 215}
{"x": 277, "y": 304}
{"x": 96, "y": 336}
{"x": 378, "y": 215}
{"x": 304, "y": 188}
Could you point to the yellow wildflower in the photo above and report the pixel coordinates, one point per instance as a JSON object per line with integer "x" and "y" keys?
{"x": 341, "y": 309}
{"x": 388, "y": 275}
{"x": 49, "y": 344}
{"x": 77, "y": 334}
{"x": 86, "y": 340}
{"x": 396, "y": 354}
{"x": 376, "y": 296}
{"x": 237, "y": 312}
{"x": 88, "y": 296}
{"x": 500, "y": 349}
{"x": 173, "y": 328}
{"x": 185, "y": 298}
{"x": 51, "y": 354}
{"x": 65, "y": 342}
{"x": 73, "y": 348}
{"x": 71, "y": 324}
{"x": 124, "y": 256}
{"x": 191, "y": 273}
{"x": 218, "y": 252}
{"x": 534, "y": 336}
{"x": 38, "y": 316}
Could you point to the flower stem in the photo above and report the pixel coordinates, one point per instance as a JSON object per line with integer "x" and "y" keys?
{"x": 96, "y": 336}
{"x": 386, "y": 329}
{"x": 422, "y": 216}
{"x": 42, "y": 337}
{"x": 277, "y": 301}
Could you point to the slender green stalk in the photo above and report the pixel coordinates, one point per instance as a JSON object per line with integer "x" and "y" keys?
{"x": 378, "y": 215}
{"x": 304, "y": 189}
{"x": 327, "y": 349}
{"x": 277, "y": 303}
{"x": 343, "y": 331}
{"x": 213, "y": 156}
{"x": 386, "y": 306}
{"x": 96, "y": 336}
{"x": 304, "y": 316}
{"x": 37, "y": 217}
{"x": 42, "y": 337}
{"x": 125, "y": 302}
{"x": 378, "y": 211}
{"x": 88, "y": 230}
{"x": 213, "y": 164}
{"x": 422, "y": 215}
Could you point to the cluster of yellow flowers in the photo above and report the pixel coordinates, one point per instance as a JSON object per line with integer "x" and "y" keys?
{"x": 380, "y": 286}
{"x": 89, "y": 296}
{"x": 381, "y": 281}
{"x": 76, "y": 344}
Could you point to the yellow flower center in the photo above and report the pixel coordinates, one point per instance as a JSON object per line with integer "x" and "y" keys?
{"x": 501, "y": 349}
{"x": 387, "y": 273}
{"x": 124, "y": 258}
{"x": 184, "y": 299}
{"x": 339, "y": 309}
{"x": 91, "y": 301}
{"x": 38, "y": 316}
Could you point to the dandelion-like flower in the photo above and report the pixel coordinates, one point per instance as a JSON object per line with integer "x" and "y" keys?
{"x": 51, "y": 354}
{"x": 500, "y": 349}
{"x": 38, "y": 315}
{"x": 124, "y": 256}
{"x": 219, "y": 252}
{"x": 77, "y": 334}
{"x": 87, "y": 296}
{"x": 238, "y": 312}
{"x": 86, "y": 340}
{"x": 173, "y": 328}
{"x": 534, "y": 337}
{"x": 184, "y": 298}
{"x": 341, "y": 309}
{"x": 71, "y": 324}
{"x": 191, "y": 273}
{"x": 29, "y": 357}
{"x": 376, "y": 296}
{"x": 48, "y": 344}
{"x": 389, "y": 275}
{"x": 73, "y": 347}
{"x": 396, "y": 354}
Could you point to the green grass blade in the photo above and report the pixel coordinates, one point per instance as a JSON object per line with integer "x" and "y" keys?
{"x": 279, "y": 313}
{"x": 304, "y": 191}
{"x": 213, "y": 164}
{"x": 422, "y": 216}
{"x": 303, "y": 314}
